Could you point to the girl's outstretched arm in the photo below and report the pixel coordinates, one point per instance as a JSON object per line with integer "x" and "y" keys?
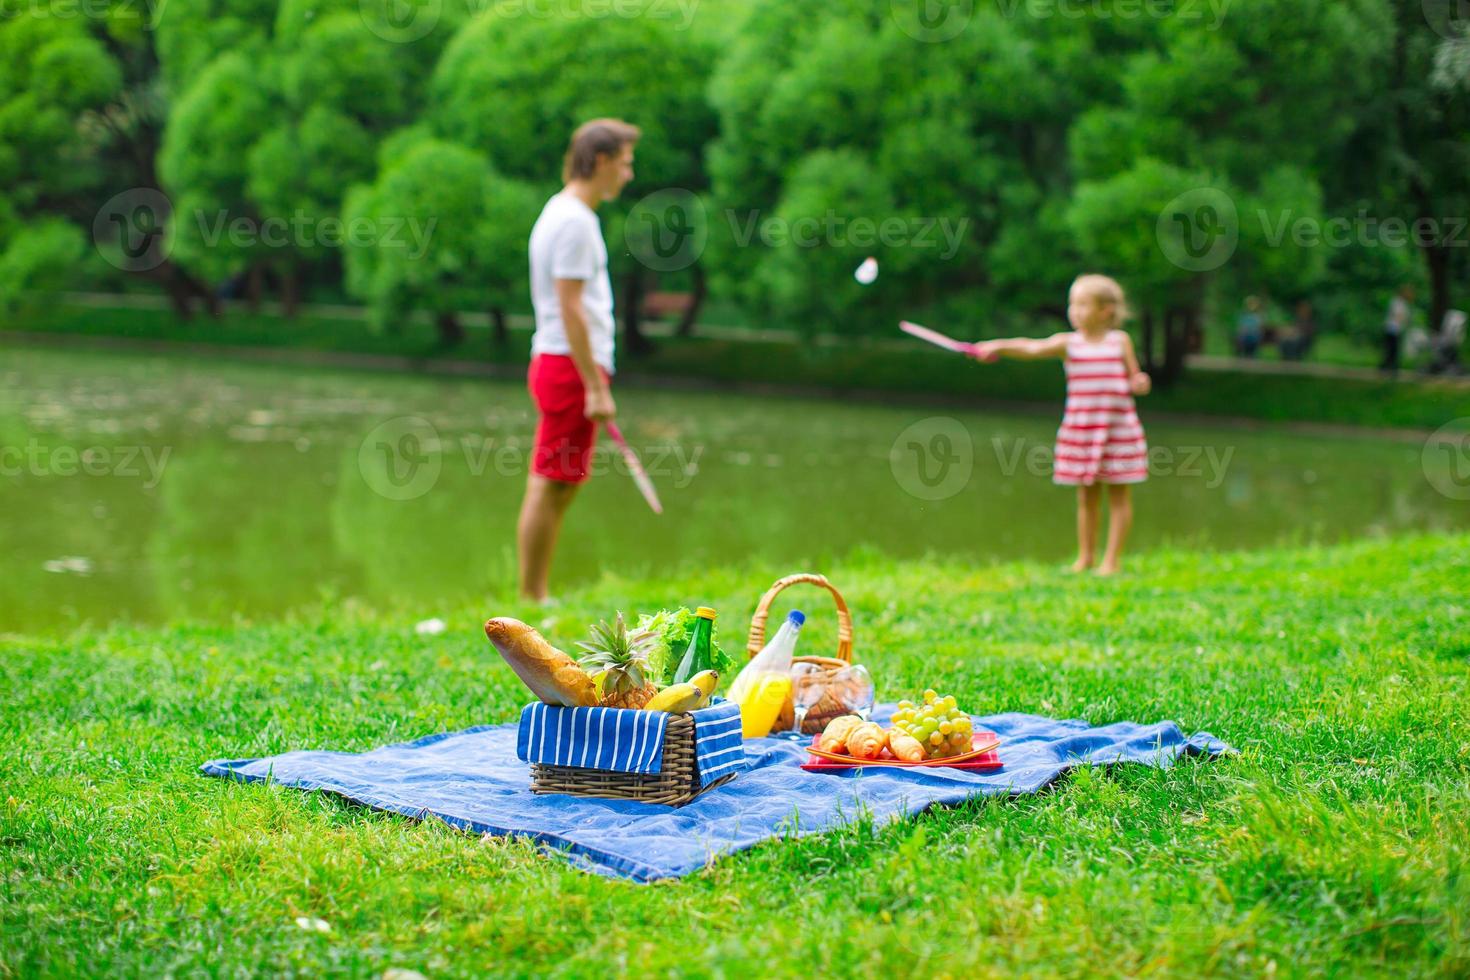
{"x": 1023, "y": 348}
{"x": 1139, "y": 382}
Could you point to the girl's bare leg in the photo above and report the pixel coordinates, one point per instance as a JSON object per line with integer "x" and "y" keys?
{"x": 1089, "y": 501}
{"x": 1120, "y": 521}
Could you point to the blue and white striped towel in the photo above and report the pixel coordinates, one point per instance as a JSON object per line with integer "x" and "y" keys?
{"x": 628, "y": 741}
{"x": 719, "y": 746}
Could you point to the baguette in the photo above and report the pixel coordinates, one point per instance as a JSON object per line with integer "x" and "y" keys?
{"x": 550, "y": 674}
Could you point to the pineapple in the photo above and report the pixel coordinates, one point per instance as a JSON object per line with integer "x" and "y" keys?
{"x": 618, "y": 662}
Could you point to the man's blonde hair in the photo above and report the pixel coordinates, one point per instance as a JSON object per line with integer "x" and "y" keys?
{"x": 1107, "y": 289}
{"x": 599, "y": 137}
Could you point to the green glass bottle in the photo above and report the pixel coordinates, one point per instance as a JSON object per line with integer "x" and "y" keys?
{"x": 699, "y": 657}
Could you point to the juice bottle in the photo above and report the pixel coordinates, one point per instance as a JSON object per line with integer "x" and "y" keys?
{"x": 759, "y": 710}
{"x": 765, "y": 683}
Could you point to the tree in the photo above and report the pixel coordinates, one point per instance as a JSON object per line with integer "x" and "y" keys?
{"x": 966, "y": 135}
{"x": 1412, "y": 152}
{"x": 78, "y": 121}
{"x": 205, "y": 164}
{"x": 1204, "y": 153}
{"x": 281, "y": 110}
{"x": 461, "y": 236}
{"x": 513, "y": 86}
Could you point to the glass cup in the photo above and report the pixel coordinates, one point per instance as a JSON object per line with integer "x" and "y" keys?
{"x": 855, "y": 690}
{"x": 807, "y": 687}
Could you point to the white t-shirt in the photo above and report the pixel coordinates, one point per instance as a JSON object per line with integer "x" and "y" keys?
{"x": 566, "y": 243}
{"x": 1398, "y": 315}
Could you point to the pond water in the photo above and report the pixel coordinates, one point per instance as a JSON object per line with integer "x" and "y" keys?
{"x": 156, "y": 488}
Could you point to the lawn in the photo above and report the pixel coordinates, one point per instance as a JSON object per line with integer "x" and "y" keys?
{"x": 1336, "y": 843}
{"x": 860, "y": 367}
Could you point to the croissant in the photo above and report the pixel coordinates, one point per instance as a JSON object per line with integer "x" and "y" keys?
{"x": 866, "y": 741}
{"x": 550, "y": 674}
{"x": 904, "y": 746}
{"x": 834, "y": 739}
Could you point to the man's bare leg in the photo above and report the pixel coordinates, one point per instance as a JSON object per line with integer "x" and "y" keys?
{"x": 542, "y": 510}
{"x": 1089, "y": 501}
{"x": 1120, "y": 520}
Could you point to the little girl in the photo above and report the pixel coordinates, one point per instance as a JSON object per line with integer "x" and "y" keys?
{"x": 1101, "y": 440}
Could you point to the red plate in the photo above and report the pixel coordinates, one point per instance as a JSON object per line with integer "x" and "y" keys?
{"x": 982, "y": 762}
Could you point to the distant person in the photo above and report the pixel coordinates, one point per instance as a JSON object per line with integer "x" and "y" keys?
{"x": 1395, "y": 323}
{"x": 1250, "y": 326}
{"x": 570, "y": 377}
{"x": 1101, "y": 440}
{"x": 1297, "y": 342}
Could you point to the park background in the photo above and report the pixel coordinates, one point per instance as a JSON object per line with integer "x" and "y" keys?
{"x": 264, "y": 424}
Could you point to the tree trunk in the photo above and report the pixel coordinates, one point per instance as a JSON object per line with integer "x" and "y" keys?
{"x": 254, "y": 286}
{"x": 696, "y": 302}
{"x": 180, "y": 292}
{"x": 1176, "y": 345}
{"x": 183, "y": 289}
{"x": 1438, "y": 258}
{"x": 500, "y": 331}
{"x": 1147, "y": 340}
{"x": 290, "y": 290}
{"x": 451, "y": 332}
{"x": 634, "y": 339}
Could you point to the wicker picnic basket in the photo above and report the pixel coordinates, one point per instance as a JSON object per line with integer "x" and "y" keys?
{"x": 828, "y": 707}
{"x": 675, "y": 785}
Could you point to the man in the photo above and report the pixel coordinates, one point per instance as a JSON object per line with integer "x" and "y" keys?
{"x": 1395, "y": 323}
{"x": 572, "y": 351}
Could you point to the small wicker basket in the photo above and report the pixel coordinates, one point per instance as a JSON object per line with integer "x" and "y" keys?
{"x": 827, "y": 708}
{"x": 675, "y": 785}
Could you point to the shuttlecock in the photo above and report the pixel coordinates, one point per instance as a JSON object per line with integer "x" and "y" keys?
{"x": 867, "y": 272}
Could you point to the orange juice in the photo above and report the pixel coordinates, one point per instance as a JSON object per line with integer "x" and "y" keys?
{"x": 762, "y": 703}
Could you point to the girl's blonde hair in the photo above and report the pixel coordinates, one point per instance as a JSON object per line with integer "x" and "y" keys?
{"x": 1107, "y": 289}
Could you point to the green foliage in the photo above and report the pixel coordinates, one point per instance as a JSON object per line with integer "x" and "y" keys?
{"x": 514, "y": 86}
{"x": 445, "y": 233}
{"x": 823, "y": 185}
{"x": 1030, "y": 129}
{"x": 192, "y": 33}
{"x": 51, "y": 70}
{"x": 204, "y": 162}
{"x": 673, "y": 629}
{"x": 36, "y": 257}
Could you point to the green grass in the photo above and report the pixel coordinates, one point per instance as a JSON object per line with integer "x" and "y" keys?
{"x": 856, "y": 367}
{"x": 1336, "y": 843}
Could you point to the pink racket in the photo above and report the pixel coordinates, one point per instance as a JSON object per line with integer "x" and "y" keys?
{"x": 640, "y": 476}
{"x": 937, "y": 339}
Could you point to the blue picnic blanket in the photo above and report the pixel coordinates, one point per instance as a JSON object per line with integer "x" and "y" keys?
{"x": 619, "y": 740}
{"x": 472, "y": 780}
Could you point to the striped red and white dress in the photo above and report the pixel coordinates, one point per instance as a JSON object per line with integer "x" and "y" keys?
{"x": 1101, "y": 439}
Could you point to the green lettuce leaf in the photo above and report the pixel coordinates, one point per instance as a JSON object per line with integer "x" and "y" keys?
{"x": 673, "y": 628}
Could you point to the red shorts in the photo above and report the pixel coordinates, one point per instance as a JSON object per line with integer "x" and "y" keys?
{"x": 564, "y": 435}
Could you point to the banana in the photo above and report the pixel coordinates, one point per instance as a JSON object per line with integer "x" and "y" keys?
{"x": 705, "y": 680}
{"x": 677, "y": 699}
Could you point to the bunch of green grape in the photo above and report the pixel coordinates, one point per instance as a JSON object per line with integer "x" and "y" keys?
{"x": 938, "y": 724}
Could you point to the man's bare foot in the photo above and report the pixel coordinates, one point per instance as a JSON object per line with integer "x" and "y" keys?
{"x": 1107, "y": 568}
{"x": 1080, "y": 565}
